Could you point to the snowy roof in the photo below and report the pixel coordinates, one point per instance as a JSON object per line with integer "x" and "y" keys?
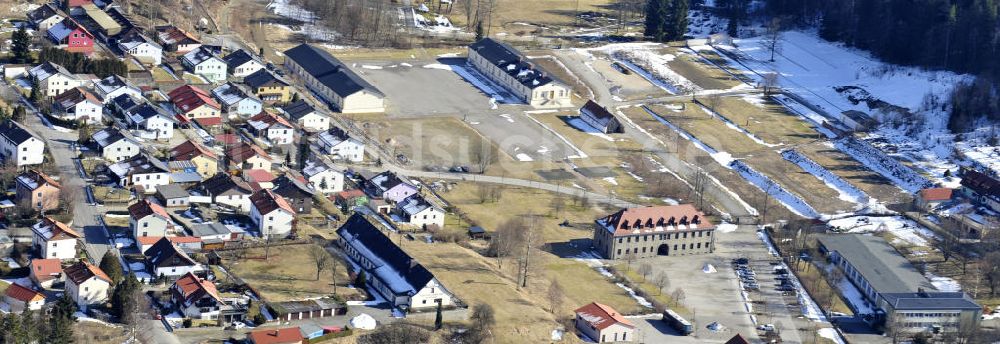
{"x": 139, "y": 164}
{"x": 885, "y": 270}
{"x": 50, "y": 229}
{"x": 32, "y": 179}
{"x": 334, "y": 136}
{"x": 142, "y": 113}
{"x": 314, "y": 168}
{"x": 43, "y": 13}
{"x": 601, "y": 316}
{"x": 512, "y": 62}
{"x": 60, "y": 31}
{"x": 231, "y": 93}
{"x": 47, "y": 69}
{"x": 390, "y": 264}
{"x": 388, "y": 180}
{"x": 930, "y": 301}
{"x": 134, "y": 38}
{"x": 112, "y": 83}
{"x": 415, "y": 204}
{"x": 110, "y": 135}
{"x": 197, "y": 56}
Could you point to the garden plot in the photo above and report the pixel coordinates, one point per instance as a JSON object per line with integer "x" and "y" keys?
{"x": 761, "y": 165}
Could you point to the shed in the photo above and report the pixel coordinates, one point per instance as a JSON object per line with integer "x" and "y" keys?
{"x": 857, "y": 120}
{"x": 310, "y": 331}
{"x": 172, "y": 195}
{"x": 476, "y": 232}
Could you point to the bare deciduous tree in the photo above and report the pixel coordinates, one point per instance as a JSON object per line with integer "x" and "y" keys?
{"x": 662, "y": 282}
{"x": 678, "y": 296}
{"x": 320, "y": 258}
{"x": 645, "y": 269}
{"x": 769, "y": 82}
{"x": 555, "y": 295}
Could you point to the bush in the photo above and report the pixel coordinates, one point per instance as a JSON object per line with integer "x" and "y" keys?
{"x": 187, "y": 323}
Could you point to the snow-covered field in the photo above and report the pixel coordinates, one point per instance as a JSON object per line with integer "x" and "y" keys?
{"x": 580, "y": 125}
{"x": 905, "y": 230}
{"x": 944, "y": 283}
{"x": 286, "y": 9}
{"x": 847, "y": 191}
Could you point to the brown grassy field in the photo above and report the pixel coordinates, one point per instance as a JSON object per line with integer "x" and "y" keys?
{"x": 444, "y": 141}
{"x": 701, "y": 74}
{"x": 548, "y": 12}
{"x": 552, "y": 65}
{"x": 288, "y": 274}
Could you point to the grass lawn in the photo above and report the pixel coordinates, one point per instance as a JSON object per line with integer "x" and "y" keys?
{"x": 106, "y": 194}
{"x": 770, "y": 121}
{"x": 288, "y": 274}
{"x": 116, "y": 221}
{"x": 549, "y": 12}
{"x": 160, "y": 75}
{"x": 695, "y": 69}
{"x": 93, "y": 332}
{"x": 820, "y": 289}
{"x": 3, "y": 286}
{"x": 844, "y": 166}
{"x": 652, "y": 290}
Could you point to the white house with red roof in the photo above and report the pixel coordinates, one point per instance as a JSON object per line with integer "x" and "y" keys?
{"x": 87, "y": 284}
{"x": 193, "y": 103}
{"x": 248, "y": 156}
{"x": 196, "y": 297}
{"x": 643, "y": 232}
{"x": 20, "y": 298}
{"x": 149, "y": 219}
{"x": 54, "y": 239}
{"x": 271, "y": 214}
{"x": 930, "y": 198}
{"x": 45, "y": 272}
{"x": 276, "y": 129}
{"x": 603, "y": 324}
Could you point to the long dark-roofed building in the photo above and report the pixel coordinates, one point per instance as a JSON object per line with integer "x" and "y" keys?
{"x": 506, "y": 66}
{"x": 333, "y": 81}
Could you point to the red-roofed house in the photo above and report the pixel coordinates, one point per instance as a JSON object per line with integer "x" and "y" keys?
{"x": 189, "y": 243}
{"x": 205, "y": 161}
{"x": 54, "y": 239}
{"x": 196, "y": 104}
{"x": 20, "y": 298}
{"x": 289, "y": 335}
{"x": 196, "y": 298}
{"x": 87, "y": 284}
{"x": 247, "y": 156}
{"x": 654, "y": 231}
{"x": 149, "y": 219}
{"x": 45, "y": 272}
{"x": 274, "y": 128}
{"x": 932, "y": 197}
{"x": 603, "y": 324}
{"x": 272, "y": 214}
{"x": 259, "y": 179}
{"x": 72, "y": 36}
{"x": 36, "y": 190}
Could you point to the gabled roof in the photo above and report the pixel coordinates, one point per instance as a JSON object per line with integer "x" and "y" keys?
{"x": 83, "y": 271}
{"x": 258, "y": 176}
{"x": 74, "y": 96}
{"x": 334, "y": 136}
{"x": 144, "y": 208}
{"x": 139, "y": 164}
{"x": 737, "y": 339}
{"x": 165, "y": 253}
{"x": 267, "y": 201}
{"x": 286, "y": 335}
{"x": 240, "y": 57}
{"x": 132, "y": 38}
{"x": 298, "y": 109}
{"x": 112, "y": 83}
{"x": 46, "y": 69}
{"x": 33, "y": 179}
{"x": 290, "y": 183}
{"x": 169, "y": 34}
{"x": 107, "y": 136}
{"x": 171, "y": 191}
{"x": 50, "y": 229}
{"x": 388, "y": 180}
{"x": 601, "y": 316}
{"x": 15, "y": 132}
{"x": 191, "y": 288}
{"x": 232, "y": 93}
{"x": 878, "y": 263}
{"x": 145, "y": 111}
{"x": 190, "y": 150}
{"x": 60, "y": 31}
{"x": 596, "y": 110}
{"x": 103, "y": 20}
{"x": 264, "y": 78}
{"x": 314, "y": 168}
{"x": 512, "y": 62}
{"x": 189, "y": 97}
{"x": 23, "y": 294}
{"x": 266, "y": 119}
{"x": 415, "y": 204}
{"x": 222, "y": 183}
{"x": 46, "y": 269}
{"x": 200, "y": 55}
{"x": 209, "y": 229}
{"x": 401, "y": 273}
{"x": 936, "y": 194}
{"x": 329, "y": 71}
{"x": 243, "y": 151}
{"x": 655, "y": 219}
{"x": 981, "y": 183}
{"x": 42, "y": 13}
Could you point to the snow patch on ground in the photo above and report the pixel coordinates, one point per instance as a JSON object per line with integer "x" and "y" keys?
{"x": 831, "y": 334}
{"x": 905, "y": 230}
{"x": 641, "y": 300}
{"x": 726, "y": 227}
{"x": 944, "y": 283}
{"x": 580, "y": 125}
{"x": 723, "y": 158}
{"x": 847, "y": 191}
{"x": 791, "y": 201}
{"x": 523, "y": 157}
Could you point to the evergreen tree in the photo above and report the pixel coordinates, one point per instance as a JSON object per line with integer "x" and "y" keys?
{"x": 438, "y": 318}
{"x": 122, "y": 298}
{"x": 653, "y": 26}
{"x": 18, "y": 114}
{"x": 34, "y": 96}
{"x": 479, "y": 30}
{"x": 679, "y": 23}
{"x": 20, "y": 46}
{"x": 112, "y": 267}
{"x": 360, "y": 279}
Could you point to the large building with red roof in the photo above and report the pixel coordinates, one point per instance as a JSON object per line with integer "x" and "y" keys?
{"x": 654, "y": 231}
{"x": 603, "y": 324}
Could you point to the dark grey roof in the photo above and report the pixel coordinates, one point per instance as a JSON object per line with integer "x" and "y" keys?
{"x": 329, "y": 70}
{"x": 239, "y": 57}
{"x": 512, "y": 62}
{"x": 287, "y": 184}
{"x": 222, "y": 183}
{"x": 147, "y": 111}
{"x": 298, "y": 109}
{"x": 146, "y": 163}
{"x": 981, "y": 183}
{"x": 263, "y": 78}
{"x": 15, "y": 132}
{"x": 877, "y": 262}
{"x": 165, "y": 254}
{"x": 476, "y": 229}
{"x": 930, "y": 300}
{"x": 39, "y": 14}
{"x": 357, "y": 229}
{"x": 171, "y": 191}
{"x": 124, "y": 102}
{"x": 207, "y": 229}
{"x": 107, "y": 136}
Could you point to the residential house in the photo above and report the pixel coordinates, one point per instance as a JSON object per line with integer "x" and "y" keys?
{"x": 142, "y": 48}
{"x": 173, "y": 196}
{"x": 36, "y": 190}
{"x": 19, "y": 145}
{"x": 185, "y": 243}
{"x": 350, "y": 198}
{"x": 45, "y": 273}
{"x": 52, "y": 79}
{"x": 78, "y": 104}
{"x": 196, "y": 298}
{"x": 904, "y": 300}
{"x": 391, "y": 272}
{"x": 242, "y": 63}
{"x": 306, "y": 116}
{"x": 150, "y": 122}
{"x": 45, "y": 17}
{"x": 642, "y": 232}
{"x": 931, "y": 198}
{"x": 417, "y": 211}
{"x": 214, "y": 233}
{"x": 288, "y": 335}
{"x": 71, "y": 36}
{"x": 149, "y": 219}
{"x": 981, "y": 188}
{"x": 206, "y": 162}
{"x": 603, "y": 324}
{"x": 600, "y": 118}
{"x": 20, "y": 298}
{"x": 143, "y": 171}
{"x": 391, "y": 187}
{"x": 248, "y": 156}
{"x": 269, "y": 87}
{"x": 271, "y": 214}
{"x": 176, "y": 40}
{"x": 236, "y": 99}
{"x": 341, "y": 146}
{"x": 224, "y": 189}
{"x": 323, "y": 178}
{"x": 114, "y": 86}
{"x": 195, "y": 104}
{"x": 737, "y": 339}
{"x": 292, "y": 187}
{"x": 54, "y": 239}
{"x": 333, "y": 81}
{"x": 87, "y": 284}
{"x": 507, "y": 67}
{"x": 106, "y": 26}
{"x": 259, "y": 179}
{"x": 164, "y": 258}
{"x": 114, "y": 146}
{"x": 202, "y": 61}
{"x": 273, "y": 128}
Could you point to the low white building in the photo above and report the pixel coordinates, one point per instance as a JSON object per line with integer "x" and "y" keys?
{"x": 20, "y": 146}
{"x": 417, "y": 211}
{"x": 323, "y": 178}
{"x": 271, "y": 214}
{"x": 54, "y": 239}
{"x": 306, "y": 116}
{"x": 604, "y": 324}
{"x": 20, "y": 298}
{"x": 196, "y": 298}
{"x": 242, "y": 63}
{"x": 143, "y": 171}
{"x": 87, "y": 284}
{"x": 341, "y": 146}
{"x": 142, "y": 48}
{"x": 505, "y": 66}
{"x": 114, "y": 146}
{"x": 78, "y": 104}
{"x": 203, "y": 62}
{"x": 148, "y": 219}
{"x": 150, "y": 122}
{"x": 165, "y": 258}
{"x": 113, "y": 86}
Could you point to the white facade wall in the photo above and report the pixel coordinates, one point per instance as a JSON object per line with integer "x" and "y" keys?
{"x": 148, "y": 53}
{"x": 29, "y": 152}
{"x": 149, "y": 226}
{"x": 120, "y": 151}
{"x": 277, "y": 223}
{"x": 314, "y": 122}
{"x": 334, "y": 181}
{"x": 91, "y": 292}
{"x": 247, "y": 68}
